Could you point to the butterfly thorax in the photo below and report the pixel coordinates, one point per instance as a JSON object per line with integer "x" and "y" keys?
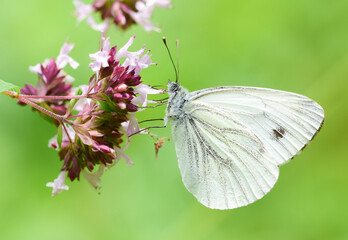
{"x": 176, "y": 101}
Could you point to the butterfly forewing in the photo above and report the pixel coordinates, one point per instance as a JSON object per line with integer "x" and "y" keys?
{"x": 285, "y": 122}
{"x": 232, "y": 139}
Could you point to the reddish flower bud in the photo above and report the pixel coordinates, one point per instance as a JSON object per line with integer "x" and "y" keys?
{"x": 106, "y": 149}
{"x": 90, "y": 166}
{"x": 118, "y": 95}
{"x": 131, "y": 107}
{"x": 127, "y": 96}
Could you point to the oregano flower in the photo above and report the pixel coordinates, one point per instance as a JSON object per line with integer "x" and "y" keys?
{"x": 93, "y": 120}
{"x": 122, "y": 13}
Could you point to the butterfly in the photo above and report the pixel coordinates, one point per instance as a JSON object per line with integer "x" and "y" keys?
{"x": 230, "y": 141}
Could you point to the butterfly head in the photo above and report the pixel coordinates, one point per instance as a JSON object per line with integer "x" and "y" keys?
{"x": 173, "y": 87}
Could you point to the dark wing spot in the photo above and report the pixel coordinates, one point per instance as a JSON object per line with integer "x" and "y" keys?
{"x": 278, "y": 133}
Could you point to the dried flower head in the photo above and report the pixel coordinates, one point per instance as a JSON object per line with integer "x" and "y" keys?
{"x": 159, "y": 144}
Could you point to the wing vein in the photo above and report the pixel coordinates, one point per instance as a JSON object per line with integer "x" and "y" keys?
{"x": 246, "y": 150}
{"x": 220, "y": 160}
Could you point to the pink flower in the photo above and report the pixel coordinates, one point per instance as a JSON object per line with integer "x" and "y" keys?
{"x": 124, "y": 53}
{"x": 58, "y": 184}
{"x": 122, "y": 13}
{"x": 120, "y": 154}
{"x": 131, "y": 126}
{"x": 143, "y": 90}
{"x": 53, "y": 143}
{"x": 144, "y": 13}
{"x": 94, "y": 178}
{"x": 53, "y": 81}
{"x": 61, "y": 61}
{"x": 134, "y": 60}
{"x": 101, "y": 27}
{"x": 81, "y": 103}
{"x": 98, "y": 134}
{"x": 99, "y": 3}
{"x": 82, "y": 10}
{"x": 63, "y": 58}
{"x": 101, "y": 57}
{"x": 143, "y": 62}
{"x": 116, "y": 11}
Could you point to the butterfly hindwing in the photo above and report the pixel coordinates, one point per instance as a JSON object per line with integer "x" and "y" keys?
{"x": 219, "y": 168}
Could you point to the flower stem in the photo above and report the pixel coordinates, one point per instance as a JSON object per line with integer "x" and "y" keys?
{"x": 56, "y": 97}
{"x": 16, "y": 95}
{"x": 47, "y": 112}
{"x": 24, "y": 99}
{"x": 66, "y": 131}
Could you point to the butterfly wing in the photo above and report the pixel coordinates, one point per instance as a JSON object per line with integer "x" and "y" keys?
{"x": 232, "y": 140}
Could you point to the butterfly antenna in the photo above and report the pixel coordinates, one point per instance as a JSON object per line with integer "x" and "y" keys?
{"x": 171, "y": 59}
{"x": 177, "y": 58}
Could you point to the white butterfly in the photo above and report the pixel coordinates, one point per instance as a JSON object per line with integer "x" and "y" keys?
{"x": 230, "y": 141}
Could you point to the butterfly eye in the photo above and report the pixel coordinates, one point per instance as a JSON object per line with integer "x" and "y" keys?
{"x": 173, "y": 87}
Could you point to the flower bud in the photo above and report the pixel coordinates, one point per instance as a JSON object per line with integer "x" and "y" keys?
{"x": 131, "y": 107}
{"x": 127, "y": 96}
{"x": 122, "y": 105}
{"x": 90, "y": 166}
{"x": 106, "y": 149}
{"x": 121, "y": 88}
{"x": 118, "y": 95}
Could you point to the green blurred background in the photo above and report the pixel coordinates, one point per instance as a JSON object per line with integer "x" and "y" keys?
{"x": 298, "y": 46}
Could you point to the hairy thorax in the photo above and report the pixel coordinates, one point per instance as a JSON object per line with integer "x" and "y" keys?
{"x": 176, "y": 102}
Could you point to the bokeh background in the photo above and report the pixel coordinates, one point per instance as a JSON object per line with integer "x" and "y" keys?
{"x": 298, "y": 46}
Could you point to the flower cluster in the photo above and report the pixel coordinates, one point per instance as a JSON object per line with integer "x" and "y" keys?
{"x": 53, "y": 81}
{"x": 91, "y": 125}
{"x": 123, "y": 13}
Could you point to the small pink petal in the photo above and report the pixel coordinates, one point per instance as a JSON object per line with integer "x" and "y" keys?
{"x": 64, "y": 59}
{"x": 143, "y": 90}
{"x": 106, "y": 149}
{"x": 53, "y": 141}
{"x": 94, "y": 178}
{"x": 120, "y": 154}
{"x": 36, "y": 69}
{"x": 101, "y": 57}
{"x": 58, "y": 184}
{"x": 144, "y": 11}
{"x": 82, "y": 10}
{"x": 101, "y": 27}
